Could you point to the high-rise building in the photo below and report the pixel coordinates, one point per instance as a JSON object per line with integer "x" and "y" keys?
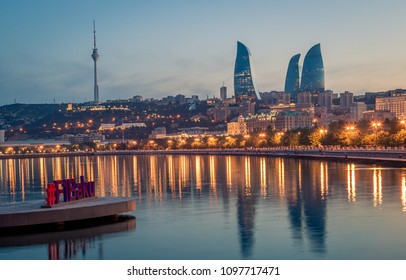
{"x": 357, "y": 111}
{"x": 325, "y": 99}
{"x": 2, "y": 136}
{"x": 243, "y": 80}
{"x": 304, "y": 98}
{"x": 95, "y": 57}
{"x": 292, "y": 77}
{"x": 313, "y": 71}
{"x": 223, "y": 92}
{"x": 346, "y": 99}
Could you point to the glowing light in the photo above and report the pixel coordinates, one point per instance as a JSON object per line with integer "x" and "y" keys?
{"x": 377, "y": 181}
{"x": 351, "y": 182}
{"x": 403, "y": 197}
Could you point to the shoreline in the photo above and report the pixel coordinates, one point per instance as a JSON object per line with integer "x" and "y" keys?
{"x": 387, "y": 157}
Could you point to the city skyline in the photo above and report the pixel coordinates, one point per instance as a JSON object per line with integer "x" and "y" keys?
{"x": 159, "y": 49}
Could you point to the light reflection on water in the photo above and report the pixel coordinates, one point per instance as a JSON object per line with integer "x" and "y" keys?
{"x": 229, "y": 207}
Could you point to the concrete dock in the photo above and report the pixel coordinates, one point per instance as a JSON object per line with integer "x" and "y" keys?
{"x": 30, "y": 213}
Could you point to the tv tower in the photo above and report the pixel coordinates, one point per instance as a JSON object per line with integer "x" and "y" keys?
{"x": 95, "y": 57}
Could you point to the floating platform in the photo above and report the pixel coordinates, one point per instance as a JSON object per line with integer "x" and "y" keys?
{"x": 32, "y": 213}
{"x": 76, "y": 230}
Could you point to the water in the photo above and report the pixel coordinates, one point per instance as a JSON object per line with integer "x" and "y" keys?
{"x": 219, "y": 207}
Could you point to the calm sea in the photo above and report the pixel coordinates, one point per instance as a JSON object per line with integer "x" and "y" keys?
{"x": 218, "y": 207}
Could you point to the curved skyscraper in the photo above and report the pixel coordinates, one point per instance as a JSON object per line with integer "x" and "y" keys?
{"x": 292, "y": 77}
{"x": 243, "y": 83}
{"x": 313, "y": 71}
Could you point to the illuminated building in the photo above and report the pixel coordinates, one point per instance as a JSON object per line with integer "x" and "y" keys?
{"x": 290, "y": 120}
{"x": 255, "y": 123}
{"x": 393, "y": 104}
{"x": 313, "y": 71}
{"x": 292, "y": 76}
{"x": 158, "y": 133}
{"x": 243, "y": 78}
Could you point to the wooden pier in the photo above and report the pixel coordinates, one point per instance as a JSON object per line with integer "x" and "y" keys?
{"x": 31, "y": 213}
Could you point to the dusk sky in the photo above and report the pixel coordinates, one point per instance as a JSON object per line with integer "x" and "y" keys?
{"x": 160, "y": 48}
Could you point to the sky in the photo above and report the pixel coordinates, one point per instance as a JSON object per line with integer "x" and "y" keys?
{"x": 160, "y": 48}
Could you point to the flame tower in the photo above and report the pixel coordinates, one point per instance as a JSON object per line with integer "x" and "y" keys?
{"x": 95, "y": 57}
{"x": 243, "y": 82}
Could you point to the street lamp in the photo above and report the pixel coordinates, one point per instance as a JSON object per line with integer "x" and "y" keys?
{"x": 403, "y": 122}
{"x": 323, "y": 131}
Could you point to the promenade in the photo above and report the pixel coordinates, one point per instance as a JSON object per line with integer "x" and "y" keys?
{"x": 391, "y": 156}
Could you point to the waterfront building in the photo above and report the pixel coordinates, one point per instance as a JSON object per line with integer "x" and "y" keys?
{"x": 2, "y": 136}
{"x": 313, "y": 71}
{"x": 292, "y": 77}
{"x": 250, "y": 124}
{"x": 372, "y": 115}
{"x": 395, "y": 104}
{"x": 291, "y": 120}
{"x": 158, "y": 133}
{"x": 238, "y": 127}
{"x": 243, "y": 79}
{"x": 35, "y": 143}
{"x": 195, "y": 131}
{"x": 82, "y": 138}
{"x": 112, "y": 126}
{"x": 223, "y": 93}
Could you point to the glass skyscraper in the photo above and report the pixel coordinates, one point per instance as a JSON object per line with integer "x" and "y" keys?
{"x": 313, "y": 71}
{"x": 292, "y": 77}
{"x": 243, "y": 83}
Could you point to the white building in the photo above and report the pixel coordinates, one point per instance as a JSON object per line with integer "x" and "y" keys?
{"x": 394, "y": 104}
{"x": 112, "y": 126}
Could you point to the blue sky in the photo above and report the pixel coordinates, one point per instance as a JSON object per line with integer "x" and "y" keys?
{"x": 159, "y": 48}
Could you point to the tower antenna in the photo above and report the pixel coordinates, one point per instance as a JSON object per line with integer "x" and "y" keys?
{"x": 94, "y": 34}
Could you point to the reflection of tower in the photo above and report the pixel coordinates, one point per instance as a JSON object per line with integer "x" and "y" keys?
{"x": 246, "y": 218}
{"x": 307, "y": 204}
{"x": 292, "y": 77}
{"x": 246, "y": 199}
{"x": 95, "y": 57}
